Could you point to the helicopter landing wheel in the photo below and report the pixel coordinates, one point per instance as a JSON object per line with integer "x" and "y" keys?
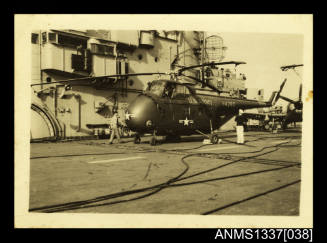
{"x": 137, "y": 139}
{"x": 214, "y": 138}
{"x": 153, "y": 141}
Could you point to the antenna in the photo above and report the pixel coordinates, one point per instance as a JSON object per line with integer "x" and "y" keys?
{"x": 203, "y": 39}
{"x": 214, "y": 48}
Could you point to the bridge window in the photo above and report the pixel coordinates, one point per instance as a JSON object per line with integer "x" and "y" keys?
{"x": 44, "y": 37}
{"x": 53, "y": 37}
{"x": 35, "y": 38}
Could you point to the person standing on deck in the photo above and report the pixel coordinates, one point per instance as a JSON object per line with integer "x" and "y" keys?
{"x": 114, "y": 127}
{"x": 240, "y": 121}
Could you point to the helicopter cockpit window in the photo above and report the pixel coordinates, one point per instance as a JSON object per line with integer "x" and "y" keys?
{"x": 180, "y": 92}
{"x": 169, "y": 89}
{"x": 156, "y": 88}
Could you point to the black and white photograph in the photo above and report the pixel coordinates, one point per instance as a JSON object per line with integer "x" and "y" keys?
{"x": 163, "y": 121}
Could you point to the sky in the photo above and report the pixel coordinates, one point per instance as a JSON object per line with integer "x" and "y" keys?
{"x": 264, "y": 55}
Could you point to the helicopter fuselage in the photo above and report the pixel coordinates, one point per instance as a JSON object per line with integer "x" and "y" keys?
{"x": 179, "y": 110}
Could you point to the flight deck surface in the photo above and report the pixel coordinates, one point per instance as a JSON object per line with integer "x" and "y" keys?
{"x": 262, "y": 177}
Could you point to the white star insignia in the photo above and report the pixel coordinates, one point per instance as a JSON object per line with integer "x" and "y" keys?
{"x": 186, "y": 121}
{"x": 128, "y": 116}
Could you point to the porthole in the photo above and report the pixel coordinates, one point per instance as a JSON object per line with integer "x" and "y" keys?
{"x": 140, "y": 56}
{"x": 156, "y": 59}
{"x": 48, "y": 79}
{"x": 130, "y": 82}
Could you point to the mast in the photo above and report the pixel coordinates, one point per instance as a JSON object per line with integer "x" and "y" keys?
{"x": 202, "y": 57}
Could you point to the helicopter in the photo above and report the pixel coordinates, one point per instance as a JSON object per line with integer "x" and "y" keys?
{"x": 293, "y": 113}
{"x": 171, "y": 108}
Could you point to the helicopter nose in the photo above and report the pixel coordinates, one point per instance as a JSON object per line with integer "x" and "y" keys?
{"x": 142, "y": 114}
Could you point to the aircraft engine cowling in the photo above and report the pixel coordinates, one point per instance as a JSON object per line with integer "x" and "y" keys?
{"x": 291, "y": 107}
{"x": 142, "y": 114}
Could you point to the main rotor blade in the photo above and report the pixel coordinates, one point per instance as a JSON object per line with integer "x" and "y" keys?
{"x": 300, "y": 93}
{"x": 210, "y": 64}
{"x": 197, "y": 80}
{"x": 282, "y": 85}
{"x": 204, "y": 83}
{"x": 100, "y": 77}
{"x": 285, "y": 68}
{"x": 287, "y": 99}
{"x": 280, "y": 90}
